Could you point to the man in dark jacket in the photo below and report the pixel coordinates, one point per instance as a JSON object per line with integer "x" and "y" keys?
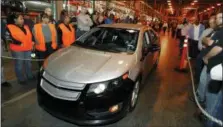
{"x": 213, "y": 58}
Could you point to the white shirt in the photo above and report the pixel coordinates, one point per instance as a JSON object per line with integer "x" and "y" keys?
{"x": 184, "y": 30}
{"x": 180, "y": 26}
{"x": 84, "y": 22}
{"x": 216, "y": 72}
{"x": 165, "y": 25}
{"x": 196, "y": 32}
{"x": 204, "y": 34}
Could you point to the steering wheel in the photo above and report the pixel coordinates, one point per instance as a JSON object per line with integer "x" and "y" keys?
{"x": 130, "y": 47}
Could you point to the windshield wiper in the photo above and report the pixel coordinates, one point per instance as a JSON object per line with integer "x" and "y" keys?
{"x": 107, "y": 49}
{"x": 78, "y": 43}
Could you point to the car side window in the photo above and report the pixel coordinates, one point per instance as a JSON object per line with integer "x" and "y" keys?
{"x": 146, "y": 40}
{"x": 153, "y": 36}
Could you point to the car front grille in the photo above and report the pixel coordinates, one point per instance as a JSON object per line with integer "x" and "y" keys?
{"x": 60, "y": 93}
{"x": 63, "y": 84}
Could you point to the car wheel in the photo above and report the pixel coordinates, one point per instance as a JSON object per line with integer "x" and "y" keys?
{"x": 134, "y": 95}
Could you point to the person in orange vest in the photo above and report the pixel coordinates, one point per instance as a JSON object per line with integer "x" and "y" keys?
{"x": 45, "y": 35}
{"x": 66, "y": 32}
{"x": 21, "y": 45}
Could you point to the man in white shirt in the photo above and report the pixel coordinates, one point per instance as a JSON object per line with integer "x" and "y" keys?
{"x": 184, "y": 33}
{"x": 84, "y": 23}
{"x": 165, "y": 26}
{"x": 179, "y": 28}
{"x": 194, "y": 33}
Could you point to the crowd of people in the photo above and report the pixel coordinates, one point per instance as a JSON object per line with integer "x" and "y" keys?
{"x": 206, "y": 49}
{"x": 47, "y": 35}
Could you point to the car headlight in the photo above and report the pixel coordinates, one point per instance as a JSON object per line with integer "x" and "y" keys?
{"x": 98, "y": 88}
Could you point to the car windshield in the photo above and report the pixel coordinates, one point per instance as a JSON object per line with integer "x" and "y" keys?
{"x": 110, "y": 39}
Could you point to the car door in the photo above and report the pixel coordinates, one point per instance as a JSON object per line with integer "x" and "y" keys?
{"x": 147, "y": 56}
{"x": 155, "y": 46}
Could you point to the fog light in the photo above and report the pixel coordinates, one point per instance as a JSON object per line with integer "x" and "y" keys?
{"x": 113, "y": 108}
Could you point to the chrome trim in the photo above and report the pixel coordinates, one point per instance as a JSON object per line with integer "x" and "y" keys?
{"x": 59, "y": 93}
{"x": 63, "y": 84}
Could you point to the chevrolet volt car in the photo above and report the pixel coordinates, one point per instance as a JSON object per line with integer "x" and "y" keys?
{"x": 97, "y": 79}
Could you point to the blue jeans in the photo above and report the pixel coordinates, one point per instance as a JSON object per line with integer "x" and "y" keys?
{"x": 19, "y": 64}
{"x": 219, "y": 108}
{"x": 199, "y": 64}
{"x": 213, "y": 107}
{"x": 202, "y": 87}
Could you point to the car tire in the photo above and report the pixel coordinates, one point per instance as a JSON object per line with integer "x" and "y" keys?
{"x": 134, "y": 95}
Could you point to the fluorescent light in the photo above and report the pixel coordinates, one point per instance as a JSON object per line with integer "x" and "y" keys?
{"x": 213, "y": 7}
{"x": 219, "y": 4}
{"x": 192, "y": 4}
{"x": 208, "y": 9}
{"x": 195, "y": 1}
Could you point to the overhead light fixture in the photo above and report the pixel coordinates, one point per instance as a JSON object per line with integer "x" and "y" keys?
{"x": 213, "y": 7}
{"x": 219, "y": 4}
{"x": 195, "y": 1}
{"x": 205, "y": 10}
{"x": 193, "y": 4}
{"x": 169, "y": 3}
{"x": 208, "y": 9}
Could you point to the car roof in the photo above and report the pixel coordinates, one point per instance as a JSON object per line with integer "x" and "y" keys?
{"x": 125, "y": 26}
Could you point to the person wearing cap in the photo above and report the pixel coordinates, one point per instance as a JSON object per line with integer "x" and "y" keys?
{"x": 84, "y": 23}
{"x": 45, "y": 35}
{"x": 66, "y": 32}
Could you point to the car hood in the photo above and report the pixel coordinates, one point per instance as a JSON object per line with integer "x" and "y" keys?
{"x": 81, "y": 65}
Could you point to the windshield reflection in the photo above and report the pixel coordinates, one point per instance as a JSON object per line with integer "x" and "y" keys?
{"x": 110, "y": 39}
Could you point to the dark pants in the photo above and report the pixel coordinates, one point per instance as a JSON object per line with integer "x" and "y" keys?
{"x": 193, "y": 48}
{"x": 173, "y": 33}
{"x": 181, "y": 44}
{"x": 178, "y": 33}
{"x": 44, "y": 55}
{"x": 19, "y": 64}
{"x": 164, "y": 29}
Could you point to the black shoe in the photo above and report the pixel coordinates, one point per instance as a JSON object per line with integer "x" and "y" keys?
{"x": 191, "y": 98}
{"x": 200, "y": 117}
{"x": 6, "y": 84}
{"x": 22, "y": 82}
{"x": 202, "y": 103}
{"x": 31, "y": 79}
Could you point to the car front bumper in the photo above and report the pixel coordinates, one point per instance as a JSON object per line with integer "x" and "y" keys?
{"x": 87, "y": 110}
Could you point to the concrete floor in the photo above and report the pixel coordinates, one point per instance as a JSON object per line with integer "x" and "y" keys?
{"x": 163, "y": 102}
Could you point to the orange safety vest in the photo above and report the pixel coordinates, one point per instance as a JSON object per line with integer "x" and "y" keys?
{"x": 68, "y": 37}
{"x": 19, "y": 35}
{"x": 41, "y": 46}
